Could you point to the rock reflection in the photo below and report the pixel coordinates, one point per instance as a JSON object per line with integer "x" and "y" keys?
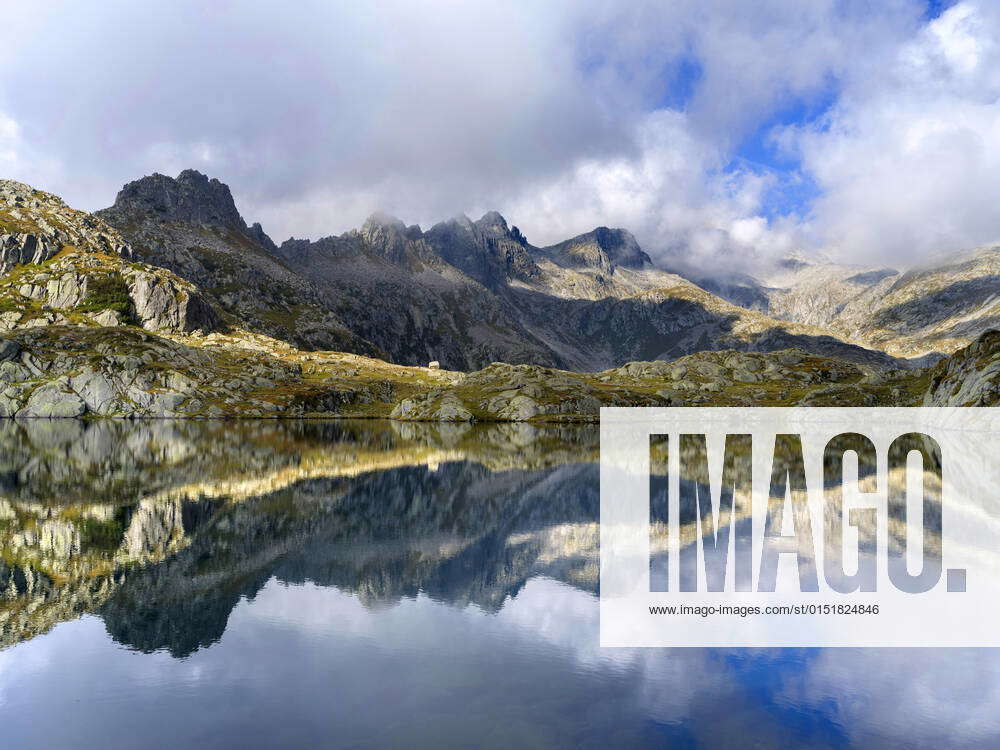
{"x": 161, "y": 527}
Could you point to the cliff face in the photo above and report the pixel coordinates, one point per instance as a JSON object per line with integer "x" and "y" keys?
{"x": 970, "y": 377}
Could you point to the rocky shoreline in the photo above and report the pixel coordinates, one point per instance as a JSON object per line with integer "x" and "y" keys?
{"x": 125, "y": 372}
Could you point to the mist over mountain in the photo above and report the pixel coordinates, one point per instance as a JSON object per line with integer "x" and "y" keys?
{"x": 467, "y": 292}
{"x": 463, "y": 292}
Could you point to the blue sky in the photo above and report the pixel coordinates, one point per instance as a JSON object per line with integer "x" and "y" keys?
{"x": 710, "y": 128}
{"x": 796, "y": 190}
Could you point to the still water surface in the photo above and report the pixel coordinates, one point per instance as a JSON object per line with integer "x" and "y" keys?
{"x": 325, "y": 584}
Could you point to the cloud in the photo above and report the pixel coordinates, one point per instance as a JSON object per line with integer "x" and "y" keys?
{"x": 941, "y": 698}
{"x": 908, "y": 161}
{"x": 9, "y": 137}
{"x": 416, "y": 104}
{"x": 563, "y": 115}
{"x": 671, "y": 192}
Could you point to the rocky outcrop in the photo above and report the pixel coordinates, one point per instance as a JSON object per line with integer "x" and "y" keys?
{"x": 35, "y": 226}
{"x": 163, "y": 304}
{"x": 67, "y": 372}
{"x": 20, "y": 247}
{"x": 53, "y": 399}
{"x": 81, "y": 287}
{"x": 434, "y": 406}
{"x": 191, "y": 197}
{"x": 64, "y": 266}
{"x": 970, "y": 377}
{"x": 602, "y": 248}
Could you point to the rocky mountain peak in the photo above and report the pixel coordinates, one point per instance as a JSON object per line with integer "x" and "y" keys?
{"x": 385, "y": 234}
{"x": 493, "y": 223}
{"x": 621, "y": 247}
{"x": 256, "y": 232}
{"x": 603, "y": 248}
{"x": 487, "y": 249}
{"x": 384, "y": 221}
{"x": 190, "y": 197}
{"x": 35, "y": 226}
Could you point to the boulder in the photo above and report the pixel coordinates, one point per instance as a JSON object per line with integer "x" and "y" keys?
{"x": 710, "y": 369}
{"x": 521, "y": 408}
{"x": 433, "y": 406}
{"x": 451, "y": 409}
{"x": 54, "y": 400}
{"x": 97, "y": 392}
{"x": 108, "y": 318}
{"x": 790, "y": 357}
{"x": 161, "y": 304}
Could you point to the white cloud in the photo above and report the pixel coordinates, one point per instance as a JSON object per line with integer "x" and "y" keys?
{"x": 669, "y": 190}
{"x": 562, "y": 115}
{"x": 9, "y": 134}
{"x": 908, "y": 161}
{"x": 946, "y": 695}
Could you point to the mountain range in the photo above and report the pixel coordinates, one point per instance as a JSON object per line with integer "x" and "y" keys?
{"x": 173, "y": 257}
{"x": 464, "y": 293}
{"x": 467, "y": 293}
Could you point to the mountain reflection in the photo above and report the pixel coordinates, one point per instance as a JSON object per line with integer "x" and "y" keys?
{"x": 160, "y": 528}
{"x": 174, "y": 536}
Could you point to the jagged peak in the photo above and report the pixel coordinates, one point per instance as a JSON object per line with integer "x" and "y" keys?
{"x": 191, "y": 196}
{"x": 256, "y": 232}
{"x": 386, "y": 234}
{"x": 605, "y": 247}
{"x": 461, "y": 220}
{"x": 193, "y": 175}
{"x": 493, "y": 220}
{"x": 381, "y": 219}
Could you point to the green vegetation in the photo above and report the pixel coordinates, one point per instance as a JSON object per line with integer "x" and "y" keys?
{"x": 107, "y": 292}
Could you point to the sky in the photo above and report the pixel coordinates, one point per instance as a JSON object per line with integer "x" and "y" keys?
{"x": 720, "y": 132}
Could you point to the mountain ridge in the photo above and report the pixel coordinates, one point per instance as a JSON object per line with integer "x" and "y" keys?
{"x": 467, "y": 293}
{"x": 126, "y": 335}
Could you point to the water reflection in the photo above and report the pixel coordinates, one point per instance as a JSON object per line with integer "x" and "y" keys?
{"x": 194, "y": 516}
{"x": 368, "y": 585}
